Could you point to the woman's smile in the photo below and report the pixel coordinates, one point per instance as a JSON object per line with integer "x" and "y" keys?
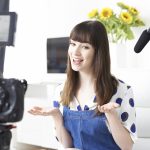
{"x": 77, "y": 61}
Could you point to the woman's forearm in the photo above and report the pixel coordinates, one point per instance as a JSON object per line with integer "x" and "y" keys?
{"x": 120, "y": 134}
{"x": 62, "y": 134}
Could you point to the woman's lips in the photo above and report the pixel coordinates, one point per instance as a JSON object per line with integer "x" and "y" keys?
{"x": 77, "y": 61}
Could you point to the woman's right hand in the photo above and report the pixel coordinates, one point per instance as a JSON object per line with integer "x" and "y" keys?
{"x": 44, "y": 111}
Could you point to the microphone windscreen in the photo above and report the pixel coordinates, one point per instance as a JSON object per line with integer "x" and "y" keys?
{"x": 142, "y": 41}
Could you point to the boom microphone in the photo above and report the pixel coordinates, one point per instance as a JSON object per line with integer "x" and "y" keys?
{"x": 142, "y": 41}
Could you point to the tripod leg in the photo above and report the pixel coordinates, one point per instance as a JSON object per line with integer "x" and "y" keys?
{"x": 5, "y": 139}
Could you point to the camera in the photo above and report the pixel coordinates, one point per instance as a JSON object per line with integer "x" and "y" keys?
{"x": 12, "y": 92}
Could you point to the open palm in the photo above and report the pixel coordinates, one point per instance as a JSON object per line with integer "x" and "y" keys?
{"x": 44, "y": 111}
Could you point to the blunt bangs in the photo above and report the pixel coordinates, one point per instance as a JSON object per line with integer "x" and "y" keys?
{"x": 81, "y": 34}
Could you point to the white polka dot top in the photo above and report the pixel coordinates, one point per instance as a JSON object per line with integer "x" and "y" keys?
{"x": 123, "y": 96}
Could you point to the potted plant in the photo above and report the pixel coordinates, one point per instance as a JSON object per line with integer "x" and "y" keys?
{"x": 118, "y": 26}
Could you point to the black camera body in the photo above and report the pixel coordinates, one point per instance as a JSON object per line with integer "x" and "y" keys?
{"x": 12, "y": 93}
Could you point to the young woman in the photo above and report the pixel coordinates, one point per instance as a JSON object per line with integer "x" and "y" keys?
{"x": 93, "y": 110}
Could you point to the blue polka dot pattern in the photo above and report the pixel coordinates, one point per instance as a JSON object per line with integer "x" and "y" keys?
{"x": 124, "y": 116}
{"x": 131, "y": 102}
{"x": 56, "y": 104}
{"x": 133, "y": 128}
{"x": 128, "y": 87}
{"x": 121, "y": 81}
{"x": 79, "y": 108}
{"x": 94, "y": 99}
{"x": 119, "y": 101}
{"x": 86, "y": 107}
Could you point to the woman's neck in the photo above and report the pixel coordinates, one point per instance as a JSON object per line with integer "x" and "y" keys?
{"x": 85, "y": 90}
{"x": 86, "y": 80}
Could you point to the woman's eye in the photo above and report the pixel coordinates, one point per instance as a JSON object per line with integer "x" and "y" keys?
{"x": 72, "y": 44}
{"x": 86, "y": 47}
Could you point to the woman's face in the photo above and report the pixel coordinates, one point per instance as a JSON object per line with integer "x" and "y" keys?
{"x": 81, "y": 56}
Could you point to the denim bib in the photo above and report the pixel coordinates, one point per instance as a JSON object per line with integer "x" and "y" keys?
{"x": 89, "y": 132}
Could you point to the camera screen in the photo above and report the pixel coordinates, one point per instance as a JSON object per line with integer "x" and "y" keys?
{"x": 7, "y": 28}
{"x": 4, "y": 27}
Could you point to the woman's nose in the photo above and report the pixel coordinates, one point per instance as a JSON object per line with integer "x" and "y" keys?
{"x": 77, "y": 50}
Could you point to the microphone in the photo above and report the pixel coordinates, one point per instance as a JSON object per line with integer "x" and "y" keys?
{"x": 142, "y": 41}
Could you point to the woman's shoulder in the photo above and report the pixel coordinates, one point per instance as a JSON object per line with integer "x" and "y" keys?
{"x": 123, "y": 86}
{"x": 122, "y": 89}
{"x": 57, "y": 95}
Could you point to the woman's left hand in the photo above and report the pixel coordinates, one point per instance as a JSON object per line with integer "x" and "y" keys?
{"x": 108, "y": 108}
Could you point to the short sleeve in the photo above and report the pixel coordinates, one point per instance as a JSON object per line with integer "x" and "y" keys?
{"x": 56, "y": 97}
{"x": 128, "y": 113}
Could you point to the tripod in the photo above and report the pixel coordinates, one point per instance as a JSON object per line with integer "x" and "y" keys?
{"x": 5, "y": 136}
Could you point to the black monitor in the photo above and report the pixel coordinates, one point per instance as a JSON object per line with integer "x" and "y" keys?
{"x": 57, "y": 49}
{"x": 7, "y": 28}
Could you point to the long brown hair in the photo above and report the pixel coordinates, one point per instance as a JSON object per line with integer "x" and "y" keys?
{"x": 92, "y": 32}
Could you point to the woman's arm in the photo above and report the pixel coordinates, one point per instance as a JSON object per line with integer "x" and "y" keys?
{"x": 120, "y": 134}
{"x": 62, "y": 134}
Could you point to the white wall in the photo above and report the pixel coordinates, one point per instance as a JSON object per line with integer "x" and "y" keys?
{"x": 42, "y": 19}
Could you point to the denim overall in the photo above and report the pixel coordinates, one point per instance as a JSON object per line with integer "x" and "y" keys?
{"x": 88, "y": 132}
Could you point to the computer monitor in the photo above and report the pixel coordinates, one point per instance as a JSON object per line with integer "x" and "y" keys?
{"x": 57, "y": 49}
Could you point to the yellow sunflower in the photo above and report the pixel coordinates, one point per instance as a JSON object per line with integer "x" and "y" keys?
{"x": 106, "y": 13}
{"x": 93, "y": 13}
{"x": 126, "y": 17}
{"x": 133, "y": 10}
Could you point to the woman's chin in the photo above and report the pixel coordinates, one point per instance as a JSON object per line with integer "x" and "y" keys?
{"x": 75, "y": 68}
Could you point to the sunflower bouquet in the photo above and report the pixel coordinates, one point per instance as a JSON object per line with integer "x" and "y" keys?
{"x": 119, "y": 27}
